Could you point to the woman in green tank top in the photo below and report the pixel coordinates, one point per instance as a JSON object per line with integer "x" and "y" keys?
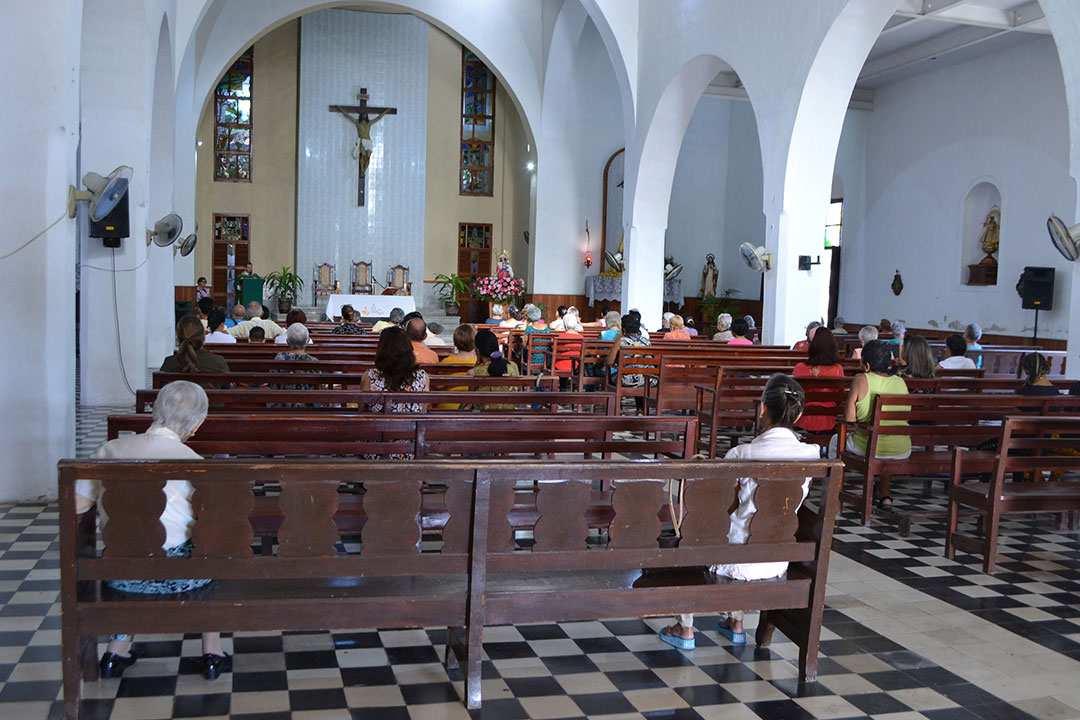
{"x": 875, "y": 381}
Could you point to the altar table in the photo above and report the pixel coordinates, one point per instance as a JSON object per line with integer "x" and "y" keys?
{"x": 369, "y": 306}
{"x": 602, "y": 287}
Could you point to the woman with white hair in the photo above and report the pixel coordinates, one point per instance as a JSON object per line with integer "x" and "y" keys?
{"x": 297, "y": 339}
{"x": 497, "y": 314}
{"x": 179, "y": 410}
{"x": 866, "y": 334}
{"x": 972, "y": 335}
{"x": 723, "y": 326}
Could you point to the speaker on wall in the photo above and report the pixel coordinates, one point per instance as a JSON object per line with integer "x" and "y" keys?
{"x": 1037, "y": 288}
{"x": 113, "y": 227}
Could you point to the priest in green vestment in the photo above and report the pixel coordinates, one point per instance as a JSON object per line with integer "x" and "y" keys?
{"x": 238, "y": 285}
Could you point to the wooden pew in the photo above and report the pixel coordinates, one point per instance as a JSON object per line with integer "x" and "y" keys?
{"x": 945, "y": 421}
{"x": 479, "y": 576}
{"x": 450, "y": 434}
{"x": 249, "y": 400}
{"x": 352, "y": 380}
{"x": 1035, "y": 445}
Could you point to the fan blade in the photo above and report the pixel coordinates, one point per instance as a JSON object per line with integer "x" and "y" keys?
{"x": 1063, "y": 238}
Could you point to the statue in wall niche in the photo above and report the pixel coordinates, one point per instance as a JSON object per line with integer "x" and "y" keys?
{"x": 990, "y": 238}
{"x": 709, "y": 275}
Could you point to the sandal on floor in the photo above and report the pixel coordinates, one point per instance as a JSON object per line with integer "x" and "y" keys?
{"x": 734, "y": 637}
{"x": 881, "y": 502}
{"x": 676, "y": 641}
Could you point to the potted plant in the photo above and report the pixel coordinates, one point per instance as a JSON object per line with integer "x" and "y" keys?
{"x": 712, "y": 306}
{"x": 449, "y": 288}
{"x": 286, "y": 286}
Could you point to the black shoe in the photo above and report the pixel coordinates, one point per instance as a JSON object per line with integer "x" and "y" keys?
{"x": 214, "y": 665}
{"x": 113, "y": 665}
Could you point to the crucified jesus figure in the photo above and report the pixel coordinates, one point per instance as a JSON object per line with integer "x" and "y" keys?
{"x": 364, "y": 146}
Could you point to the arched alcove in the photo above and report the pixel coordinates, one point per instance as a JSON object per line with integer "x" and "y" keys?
{"x": 982, "y": 200}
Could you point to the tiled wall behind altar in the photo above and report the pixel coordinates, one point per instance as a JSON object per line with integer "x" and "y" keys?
{"x": 340, "y": 52}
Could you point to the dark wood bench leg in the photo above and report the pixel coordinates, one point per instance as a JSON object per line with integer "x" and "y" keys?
{"x": 88, "y": 658}
{"x": 765, "y": 629}
{"x": 990, "y": 537}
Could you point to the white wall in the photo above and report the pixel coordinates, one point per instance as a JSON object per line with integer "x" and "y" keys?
{"x": 37, "y": 163}
{"x": 744, "y": 219}
{"x": 340, "y": 52}
{"x": 929, "y": 140}
{"x": 581, "y": 126}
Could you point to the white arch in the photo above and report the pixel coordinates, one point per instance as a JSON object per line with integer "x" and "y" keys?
{"x": 159, "y": 275}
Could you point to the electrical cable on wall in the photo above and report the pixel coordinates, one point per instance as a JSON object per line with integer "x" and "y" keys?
{"x": 116, "y": 317}
{"x": 53, "y": 224}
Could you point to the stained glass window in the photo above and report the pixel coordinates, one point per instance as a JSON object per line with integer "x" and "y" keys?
{"x": 834, "y": 224}
{"x": 477, "y": 126}
{"x": 232, "y": 122}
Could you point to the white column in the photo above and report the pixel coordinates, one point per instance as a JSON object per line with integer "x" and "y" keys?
{"x": 40, "y": 50}
{"x": 115, "y": 131}
{"x": 643, "y": 281}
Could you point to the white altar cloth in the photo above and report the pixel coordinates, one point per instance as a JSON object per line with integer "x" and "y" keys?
{"x": 369, "y": 306}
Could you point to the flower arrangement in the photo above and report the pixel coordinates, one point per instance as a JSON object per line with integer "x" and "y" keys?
{"x": 496, "y": 289}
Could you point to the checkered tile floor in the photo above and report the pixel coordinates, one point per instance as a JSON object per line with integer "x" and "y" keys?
{"x": 1035, "y": 590}
{"x": 614, "y": 669}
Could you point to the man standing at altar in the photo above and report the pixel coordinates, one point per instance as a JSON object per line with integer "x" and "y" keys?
{"x": 249, "y": 272}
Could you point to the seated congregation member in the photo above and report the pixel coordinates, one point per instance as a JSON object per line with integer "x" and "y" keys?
{"x": 564, "y": 363}
{"x": 350, "y": 322}
{"x": 396, "y": 370}
{"x": 492, "y": 364}
{"x": 637, "y": 313}
{"x": 558, "y": 325}
{"x": 297, "y": 339}
{"x": 464, "y": 354}
{"x": 972, "y": 335}
{"x": 739, "y": 329}
{"x": 873, "y": 381}
{"x": 513, "y": 319}
{"x": 804, "y": 345}
{"x": 957, "y": 359}
{"x": 179, "y": 410}
{"x": 256, "y": 335}
{"x": 216, "y": 322}
{"x": 201, "y": 289}
{"x": 190, "y": 356}
{"x": 1036, "y": 367}
{"x": 535, "y": 325}
{"x": 296, "y": 315}
{"x": 690, "y": 329}
{"x": 917, "y": 360}
{"x": 433, "y": 339}
{"x": 397, "y": 316}
{"x": 255, "y": 319}
{"x": 866, "y": 334}
{"x": 631, "y": 335}
{"x": 572, "y": 320}
{"x": 612, "y": 325}
{"x": 416, "y": 331}
{"x": 497, "y": 315}
{"x": 823, "y": 360}
{"x": 838, "y": 325}
{"x": 677, "y": 331}
{"x": 781, "y": 406}
{"x": 204, "y": 307}
{"x": 665, "y": 321}
{"x": 723, "y": 328}
{"x": 899, "y": 329}
{"x": 238, "y": 316}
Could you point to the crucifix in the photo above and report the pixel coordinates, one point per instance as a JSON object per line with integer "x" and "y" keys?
{"x": 362, "y": 121}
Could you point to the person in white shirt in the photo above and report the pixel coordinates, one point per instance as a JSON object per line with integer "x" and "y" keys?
{"x": 218, "y": 334}
{"x": 957, "y": 359}
{"x": 271, "y": 328}
{"x": 179, "y": 410}
{"x": 433, "y": 338}
{"x": 781, "y": 406}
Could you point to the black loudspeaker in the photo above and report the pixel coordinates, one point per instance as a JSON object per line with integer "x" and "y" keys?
{"x": 113, "y": 227}
{"x": 1037, "y": 288}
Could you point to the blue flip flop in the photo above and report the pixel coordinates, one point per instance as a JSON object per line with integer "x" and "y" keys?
{"x": 734, "y": 637}
{"x": 676, "y": 641}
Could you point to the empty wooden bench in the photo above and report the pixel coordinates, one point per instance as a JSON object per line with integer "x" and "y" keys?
{"x": 1039, "y": 446}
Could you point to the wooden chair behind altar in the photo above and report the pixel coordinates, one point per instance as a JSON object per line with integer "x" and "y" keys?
{"x": 398, "y": 277}
{"x": 361, "y": 278}
{"x": 325, "y": 277}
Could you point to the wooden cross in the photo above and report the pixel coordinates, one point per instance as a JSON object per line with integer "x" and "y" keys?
{"x": 362, "y": 151}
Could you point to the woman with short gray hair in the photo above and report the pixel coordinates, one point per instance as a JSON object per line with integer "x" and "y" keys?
{"x": 179, "y": 410}
{"x": 723, "y": 326}
{"x": 498, "y": 312}
{"x": 297, "y": 338}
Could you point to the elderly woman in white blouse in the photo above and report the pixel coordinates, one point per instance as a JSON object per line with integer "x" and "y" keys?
{"x": 179, "y": 410}
{"x": 723, "y": 327}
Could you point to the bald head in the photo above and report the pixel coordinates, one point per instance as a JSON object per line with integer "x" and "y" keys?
{"x": 416, "y": 329}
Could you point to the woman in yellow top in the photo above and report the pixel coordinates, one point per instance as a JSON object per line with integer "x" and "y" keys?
{"x": 875, "y": 380}
{"x": 464, "y": 354}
